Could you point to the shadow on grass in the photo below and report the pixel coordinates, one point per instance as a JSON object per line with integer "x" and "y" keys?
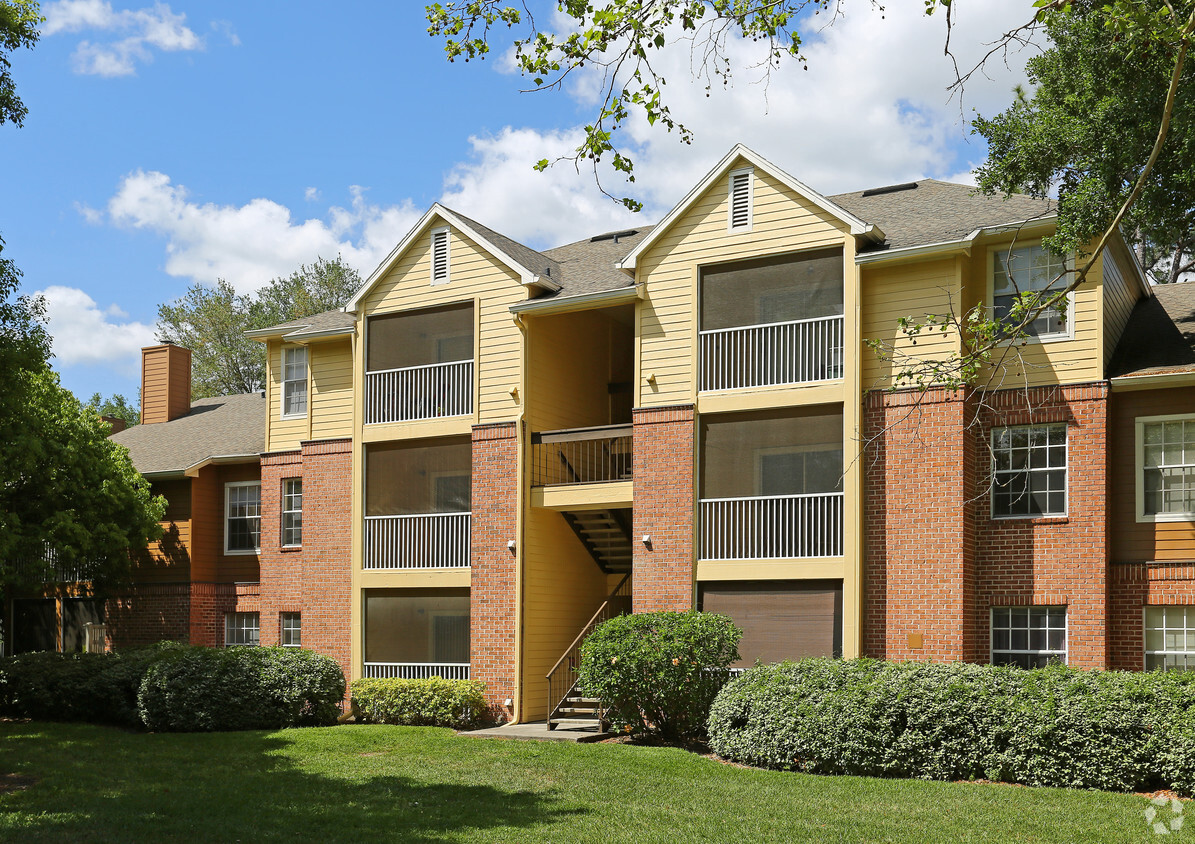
{"x": 97, "y": 784}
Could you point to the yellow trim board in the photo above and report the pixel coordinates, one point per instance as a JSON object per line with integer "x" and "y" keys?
{"x": 584, "y": 496}
{"x": 813, "y": 568}
{"x": 415, "y": 578}
{"x": 452, "y": 427}
{"x": 823, "y": 392}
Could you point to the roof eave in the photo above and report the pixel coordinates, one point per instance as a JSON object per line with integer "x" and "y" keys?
{"x": 581, "y": 302}
{"x": 220, "y": 460}
{"x": 1153, "y": 381}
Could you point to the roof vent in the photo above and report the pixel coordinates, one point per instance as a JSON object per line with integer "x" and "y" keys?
{"x": 891, "y": 189}
{"x": 613, "y": 235}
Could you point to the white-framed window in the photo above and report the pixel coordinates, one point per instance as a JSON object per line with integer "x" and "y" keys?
{"x": 1030, "y": 637}
{"x": 1031, "y": 268}
{"x": 1170, "y": 638}
{"x": 1166, "y": 468}
{"x": 291, "y": 632}
{"x": 292, "y": 512}
{"x": 242, "y": 628}
{"x": 242, "y": 517}
{"x": 1029, "y": 471}
{"x": 440, "y": 262}
{"x": 741, "y": 202}
{"x": 294, "y": 381}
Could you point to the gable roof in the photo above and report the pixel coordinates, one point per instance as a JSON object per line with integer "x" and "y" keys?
{"x": 532, "y": 267}
{"x": 326, "y": 324}
{"x": 1159, "y": 338}
{"x": 857, "y": 226}
{"x": 219, "y": 427}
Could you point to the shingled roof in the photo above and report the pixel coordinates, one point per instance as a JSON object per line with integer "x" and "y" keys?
{"x": 930, "y": 211}
{"x": 1160, "y": 335}
{"x": 310, "y": 326}
{"x": 223, "y": 426}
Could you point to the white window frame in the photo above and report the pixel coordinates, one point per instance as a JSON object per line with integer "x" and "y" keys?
{"x": 730, "y": 226}
{"x": 287, "y": 382}
{"x": 230, "y": 624}
{"x": 1164, "y": 652}
{"x": 283, "y": 629}
{"x": 1066, "y": 632}
{"x": 1066, "y": 490}
{"x": 1139, "y": 468}
{"x": 436, "y": 234}
{"x": 227, "y": 504}
{"x": 1000, "y": 253}
{"x": 287, "y": 511}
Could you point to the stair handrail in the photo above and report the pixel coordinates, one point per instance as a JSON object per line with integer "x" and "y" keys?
{"x": 572, "y": 650}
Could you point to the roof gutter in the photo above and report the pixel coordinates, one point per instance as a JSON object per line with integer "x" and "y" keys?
{"x": 950, "y": 247}
{"x": 581, "y": 302}
{"x": 219, "y": 460}
{"x": 1158, "y": 380}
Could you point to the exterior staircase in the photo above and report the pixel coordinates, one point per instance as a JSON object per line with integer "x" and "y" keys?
{"x": 606, "y": 535}
{"x": 566, "y": 704}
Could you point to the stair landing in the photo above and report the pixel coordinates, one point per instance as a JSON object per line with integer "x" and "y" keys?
{"x": 538, "y": 731}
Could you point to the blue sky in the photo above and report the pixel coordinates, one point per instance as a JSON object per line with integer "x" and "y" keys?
{"x": 173, "y": 144}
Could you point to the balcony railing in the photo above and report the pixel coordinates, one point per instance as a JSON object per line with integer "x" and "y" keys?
{"x": 777, "y": 353}
{"x": 417, "y": 670}
{"x": 581, "y": 456}
{"x": 419, "y": 392}
{"x": 431, "y": 541}
{"x": 772, "y": 527}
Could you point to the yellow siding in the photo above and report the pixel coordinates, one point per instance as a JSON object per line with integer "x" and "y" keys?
{"x": 1119, "y": 298}
{"x": 783, "y": 222}
{"x": 906, "y": 290}
{"x": 331, "y": 372}
{"x": 284, "y": 434}
{"x": 563, "y": 587}
{"x": 569, "y": 370}
{"x": 475, "y": 275}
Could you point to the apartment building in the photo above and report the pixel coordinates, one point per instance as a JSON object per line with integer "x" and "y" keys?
{"x": 492, "y": 448}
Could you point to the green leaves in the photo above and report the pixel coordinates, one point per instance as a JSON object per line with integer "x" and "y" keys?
{"x": 434, "y": 702}
{"x": 19, "y": 20}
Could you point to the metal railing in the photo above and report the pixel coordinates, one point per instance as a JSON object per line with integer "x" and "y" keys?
{"x": 430, "y": 541}
{"x": 771, "y": 527}
{"x": 416, "y": 670}
{"x": 563, "y": 676}
{"x": 775, "y": 353}
{"x": 581, "y": 455}
{"x": 419, "y": 392}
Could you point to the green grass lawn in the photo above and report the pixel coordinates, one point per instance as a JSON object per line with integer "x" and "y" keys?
{"x": 363, "y": 783}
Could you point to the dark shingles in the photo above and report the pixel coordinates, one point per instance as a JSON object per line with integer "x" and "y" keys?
{"x": 215, "y": 427}
{"x": 588, "y": 266}
{"x": 935, "y": 212}
{"x": 536, "y": 262}
{"x": 1160, "y": 335}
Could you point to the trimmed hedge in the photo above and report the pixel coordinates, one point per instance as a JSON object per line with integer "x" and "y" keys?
{"x": 433, "y": 702}
{"x": 1056, "y": 726}
{"x": 97, "y": 688}
{"x": 658, "y": 672}
{"x": 202, "y": 689}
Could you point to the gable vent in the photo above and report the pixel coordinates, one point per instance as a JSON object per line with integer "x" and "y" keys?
{"x": 740, "y": 200}
{"x": 440, "y": 256}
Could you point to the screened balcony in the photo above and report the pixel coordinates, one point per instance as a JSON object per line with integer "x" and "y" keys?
{"x": 771, "y": 486}
{"x": 417, "y": 504}
{"x": 771, "y": 322}
{"x": 413, "y": 634}
{"x": 419, "y": 365}
{"x": 581, "y": 455}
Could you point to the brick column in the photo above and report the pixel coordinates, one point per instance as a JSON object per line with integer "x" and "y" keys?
{"x": 493, "y": 607}
{"x": 281, "y": 571}
{"x": 663, "y": 472}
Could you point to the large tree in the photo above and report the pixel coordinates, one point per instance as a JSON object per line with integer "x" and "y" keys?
{"x": 19, "y": 20}
{"x": 212, "y": 321}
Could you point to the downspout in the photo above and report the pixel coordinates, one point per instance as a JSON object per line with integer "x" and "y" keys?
{"x": 520, "y": 523}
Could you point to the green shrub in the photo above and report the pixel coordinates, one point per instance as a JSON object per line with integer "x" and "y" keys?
{"x": 657, "y": 673}
{"x": 433, "y": 702}
{"x": 202, "y": 689}
{"x": 97, "y": 688}
{"x": 1121, "y": 731}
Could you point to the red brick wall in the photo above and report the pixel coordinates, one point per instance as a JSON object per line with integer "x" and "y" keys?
{"x": 663, "y": 471}
{"x": 149, "y": 613}
{"x": 316, "y": 579}
{"x": 1133, "y": 587}
{"x": 935, "y": 560}
{"x": 492, "y": 608}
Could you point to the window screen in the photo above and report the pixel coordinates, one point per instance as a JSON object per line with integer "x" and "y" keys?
{"x": 417, "y": 626}
{"x": 772, "y": 290}
{"x": 750, "y": 454}
{"x": 432, "y": 476}
{"x": 780, "y": 619}
{"x": 419, "y": 338}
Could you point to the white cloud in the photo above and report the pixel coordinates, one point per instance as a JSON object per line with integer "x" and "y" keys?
{"x": 249, "y": 244}
{"x": 85, "y": 333}
{"x": 311, "y": 194}
{"x": 155, "y": 26}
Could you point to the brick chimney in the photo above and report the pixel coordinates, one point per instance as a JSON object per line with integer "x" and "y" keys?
{"x": 116, "y": 423}
{"x": 165, "y": 383}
